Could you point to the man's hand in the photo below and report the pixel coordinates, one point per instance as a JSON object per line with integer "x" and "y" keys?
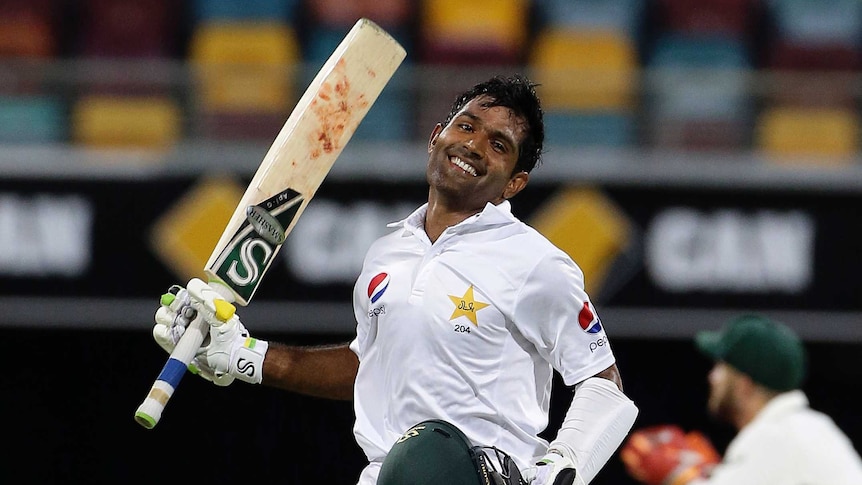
{"x": 666, "y": 455}
{"x": 172, "y": 318}
{"x": 552, "y": 469}
{"x": 228, "y": 352}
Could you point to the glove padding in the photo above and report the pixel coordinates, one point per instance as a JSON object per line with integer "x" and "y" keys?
{"x": 172, "y": 319}
{"x": 666, "y": 455}
{"x": 228, "y": 352}
{"x": 552, "y": 469}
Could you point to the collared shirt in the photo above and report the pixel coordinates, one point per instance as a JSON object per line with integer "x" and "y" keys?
{"x": 469, "y": 329}
{"x": 788, "y": 443}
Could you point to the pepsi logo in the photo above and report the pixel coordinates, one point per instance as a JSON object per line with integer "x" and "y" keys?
{"x": 377, "y": 286}
{"x": 588, "y": 320}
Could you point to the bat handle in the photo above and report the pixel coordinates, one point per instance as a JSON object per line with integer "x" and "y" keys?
{"x": 150, "y": 411}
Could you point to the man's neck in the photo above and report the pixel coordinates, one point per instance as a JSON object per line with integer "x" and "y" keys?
{"x": 751, "y": 409}
{"x": 438, "y": 218}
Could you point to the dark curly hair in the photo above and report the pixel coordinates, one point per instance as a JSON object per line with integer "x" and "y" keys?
{"x": 519, "y": 95}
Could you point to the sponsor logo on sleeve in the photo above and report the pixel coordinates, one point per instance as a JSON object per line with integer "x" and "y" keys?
{"x": 589, "y": 320}
{"x": 377, "y": 286}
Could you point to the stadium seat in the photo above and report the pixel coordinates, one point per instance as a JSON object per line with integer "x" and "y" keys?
{"x": 128, "y": 29}
{"x": 243, "y": 70}
{"x": 391, "y": 117}
{"x": 126, "y": 122}
{"x": 586, "y": 70}
{"x": 697, "y": 94}
{"x": 27, "y": 29}
{"x": 245, "y": 10}
{"x": 817, "y": 22}
{"x": 788, "y": 56}
{"x": 331, "y": 19}
{"x": 736, "y": 18}
{"x": 813, "y": 75}
{"x": 338, "y": 13}
{"x": 587, "y": 81}
{"x": 590, "y": 128}
{"x": 32, "y": 119}
{"x": 622, "y": 16}
{"x": 823, "y": 134}
{"x": 487, "y": 32}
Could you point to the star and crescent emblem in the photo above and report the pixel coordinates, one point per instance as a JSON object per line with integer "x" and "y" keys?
{"x": 466, "y": 306}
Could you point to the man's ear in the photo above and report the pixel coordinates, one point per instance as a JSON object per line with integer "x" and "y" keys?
{"x": 516, "y": 184}
{"x": 435, "y": 133}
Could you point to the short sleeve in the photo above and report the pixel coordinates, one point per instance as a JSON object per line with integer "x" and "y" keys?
{"x": 553, "y": 311}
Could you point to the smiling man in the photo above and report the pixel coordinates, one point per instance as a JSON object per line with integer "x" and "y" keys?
{"x": 463, "y": 314}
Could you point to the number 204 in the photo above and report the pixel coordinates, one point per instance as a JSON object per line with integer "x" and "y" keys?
{"x": 462, "y": 329}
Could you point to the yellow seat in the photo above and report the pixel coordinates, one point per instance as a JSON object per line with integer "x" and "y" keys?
{"x": 793, "y": 132}
{"x": 584, "y": 69}
{"x": 496, "y": 31}
{"x": 244, "y": 66}
{"x": 126, "y": 122}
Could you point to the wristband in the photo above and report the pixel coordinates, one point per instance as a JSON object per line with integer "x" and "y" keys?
{"x": 247, "y": 363}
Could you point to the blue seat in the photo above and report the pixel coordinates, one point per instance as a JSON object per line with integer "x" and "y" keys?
{"x": 625, "y": 16}
{"x": 244, "y": 10}
{"x": 818, "y": 22}
{"x": 582, "y": 128}
{"x": 32, "y": 119}
{"x": 699, "y": 77}
{"x": 699, "y": 97}
{"x": 693, "y": 50}
{"x": 391, "y": 117}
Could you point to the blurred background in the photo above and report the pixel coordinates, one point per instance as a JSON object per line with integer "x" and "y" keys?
{"x": 702, "y": 160}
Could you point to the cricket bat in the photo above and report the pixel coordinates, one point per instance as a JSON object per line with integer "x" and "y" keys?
{"x": 312, "y": 138}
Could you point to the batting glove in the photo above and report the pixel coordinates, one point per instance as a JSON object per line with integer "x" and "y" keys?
{"x": 552, "y": 469}
{"x": 172, "y": 318}
{"x": 229, "y": 352}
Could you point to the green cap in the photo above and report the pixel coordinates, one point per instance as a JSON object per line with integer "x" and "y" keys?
{"x": 768, "y": 352}
{"x": 432, "y": 452}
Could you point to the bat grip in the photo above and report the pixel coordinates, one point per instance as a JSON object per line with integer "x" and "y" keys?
{"x": 150, "y": 410}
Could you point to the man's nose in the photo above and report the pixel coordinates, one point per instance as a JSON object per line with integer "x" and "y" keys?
{"x": 473, "y": 145}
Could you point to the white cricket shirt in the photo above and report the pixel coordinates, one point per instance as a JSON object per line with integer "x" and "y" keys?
{"x": 469, "y": 330}
{"x": 788, "y": 443}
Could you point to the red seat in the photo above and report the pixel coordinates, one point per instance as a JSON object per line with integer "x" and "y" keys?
{"x": 27, "y": 29}
{"x": 813, "y": 75}
{"x": 708, "y": 16}
{"x": 128, "y": 29}
{"x": 809, "y": 57}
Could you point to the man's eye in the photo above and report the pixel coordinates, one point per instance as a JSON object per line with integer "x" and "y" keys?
{"x": 466, "y": 127}
{"x": 499, "y": 146}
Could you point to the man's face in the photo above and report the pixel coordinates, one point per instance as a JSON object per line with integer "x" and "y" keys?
{"x": 471, "y": 160}
{"x": 722, "y": 399}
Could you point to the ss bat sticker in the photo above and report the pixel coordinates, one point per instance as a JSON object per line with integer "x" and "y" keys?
{"x": 271, "y": 217}
{"x": 250, "y": 251}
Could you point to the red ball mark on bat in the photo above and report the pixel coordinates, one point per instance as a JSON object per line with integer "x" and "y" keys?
{"x": 334, "y": 110}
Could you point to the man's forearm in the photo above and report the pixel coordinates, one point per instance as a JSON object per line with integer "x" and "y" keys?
{"x": 598, "y": 420}
{"x": 326, "y": 371}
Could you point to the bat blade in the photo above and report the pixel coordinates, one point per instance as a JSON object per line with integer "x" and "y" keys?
{"x": 312, "y": 138}
{"x": 304, "y": 151}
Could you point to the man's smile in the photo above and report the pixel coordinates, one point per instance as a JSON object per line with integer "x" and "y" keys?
{"x": 463, "y": 165}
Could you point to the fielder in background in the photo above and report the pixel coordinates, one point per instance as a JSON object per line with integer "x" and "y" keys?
{"x": 463, "y": 313}
{"x": 755, "y": 387}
